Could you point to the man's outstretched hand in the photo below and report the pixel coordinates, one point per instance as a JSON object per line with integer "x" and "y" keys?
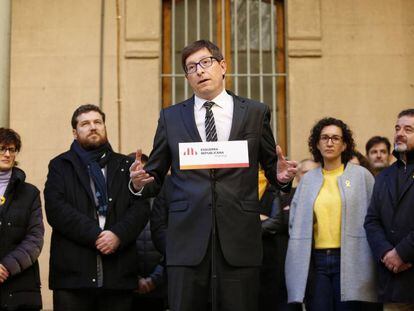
{"x": 285, "y": 170}
{"x": 139, "y": 176}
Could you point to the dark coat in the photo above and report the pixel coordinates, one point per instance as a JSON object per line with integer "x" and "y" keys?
{"x": 189, "y": 201}
{"x": 21, "y": 240}
{"x": 390, "y": 223}
{"x": 150, "y": 263}
{"x": 273, "y": 292}
{"x": 71, "y": 211}
{"x": 159, "y": 217}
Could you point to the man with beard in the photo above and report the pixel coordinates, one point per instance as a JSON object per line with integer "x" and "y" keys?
{"x": 378, "y": 151}
{"x": 389, "y": 223}
{"x": 95, "y": 221}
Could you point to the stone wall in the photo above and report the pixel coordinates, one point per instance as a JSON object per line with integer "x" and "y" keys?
{"x": 349, "y": 59}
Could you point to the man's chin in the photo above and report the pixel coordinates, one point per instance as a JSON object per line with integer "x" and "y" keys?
{"x": 400, "y": 147}
{"x": 92, "y": 145}
{"x": 379, "y": 166}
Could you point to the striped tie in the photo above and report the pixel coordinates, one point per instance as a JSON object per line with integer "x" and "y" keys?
{"x": 210, "y": 125}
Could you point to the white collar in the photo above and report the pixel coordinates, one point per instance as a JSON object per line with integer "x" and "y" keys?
{"x": 220, "y": 100}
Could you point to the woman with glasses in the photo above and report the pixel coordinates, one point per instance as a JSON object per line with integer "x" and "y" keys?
{"x": 21, "y": 231}
{"x": 329, "y": 265}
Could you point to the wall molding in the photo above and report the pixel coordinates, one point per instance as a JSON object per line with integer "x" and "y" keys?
{"x": 304, "y": 32}
{"x": 142, "y": 30}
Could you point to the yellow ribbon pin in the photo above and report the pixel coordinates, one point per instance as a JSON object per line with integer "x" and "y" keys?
{"x": 347, "y": 183}
{"x": 2, "y": 200}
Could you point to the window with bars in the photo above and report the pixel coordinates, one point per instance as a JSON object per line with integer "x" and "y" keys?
{"x": 250, "y": 34}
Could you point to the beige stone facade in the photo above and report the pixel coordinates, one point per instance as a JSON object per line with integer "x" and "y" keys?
{"x": 5, "y": 18}
{"x": 355, "y": 62}
{"x": 350, "y": 59}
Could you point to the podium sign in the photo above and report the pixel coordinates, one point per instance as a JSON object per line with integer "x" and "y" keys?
{"x": 213, "y": 155}
{"x": 217, "y": 154}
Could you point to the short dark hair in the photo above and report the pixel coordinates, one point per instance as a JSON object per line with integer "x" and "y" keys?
{"x": 375, "y": 140}
{"x": 10, "y": 137}
{"x": 199, "y": 45}
{"x": 84, "y": 109}
{"x": 347, "y": 138}
{"x": 406, "y": 112}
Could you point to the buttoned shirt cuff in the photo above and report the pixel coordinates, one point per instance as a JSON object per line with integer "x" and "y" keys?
{"x": 132, "y": 190}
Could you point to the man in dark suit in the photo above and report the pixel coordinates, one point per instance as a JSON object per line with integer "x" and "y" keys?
{"x": 95, "y": 221}
{"x": 389, "y": 223}
{"x": 212, "y": 114}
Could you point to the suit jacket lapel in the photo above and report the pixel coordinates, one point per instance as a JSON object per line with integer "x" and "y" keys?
{"x": 187, "y": 113}
{"x": 239, "y": 112}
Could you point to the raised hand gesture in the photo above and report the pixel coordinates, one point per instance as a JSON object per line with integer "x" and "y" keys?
{"x": 285, "y": 170}
{"x": 139, "y": 176}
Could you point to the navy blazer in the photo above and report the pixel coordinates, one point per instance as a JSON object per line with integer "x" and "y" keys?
{"x": 189, "y": 199}
{"x": 390, "y": 223}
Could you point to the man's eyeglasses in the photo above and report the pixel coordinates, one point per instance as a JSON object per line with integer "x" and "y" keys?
{"x": 204, "y": 63}
{"x": 336, "y": 139}
{"x": 12, "y": 150}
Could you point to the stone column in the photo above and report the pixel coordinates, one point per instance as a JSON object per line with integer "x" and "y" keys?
{"x": 4, "y": 61}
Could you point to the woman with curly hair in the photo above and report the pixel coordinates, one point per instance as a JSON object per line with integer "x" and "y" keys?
{"x": 329, "y": 265}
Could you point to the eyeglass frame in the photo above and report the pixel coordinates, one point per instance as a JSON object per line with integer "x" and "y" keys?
{"x": 12, "y": 150}
{"x": 335, "y": 139}
{"x": 212, "y": 58}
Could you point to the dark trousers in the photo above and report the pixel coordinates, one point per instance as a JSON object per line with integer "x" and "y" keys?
{"x": 189, "y": 288}
{"x": 273, "y": 292}
{"x": 141, "y": 303}
{"x": 92, "y": 299}
{"x": 325, "y": 291}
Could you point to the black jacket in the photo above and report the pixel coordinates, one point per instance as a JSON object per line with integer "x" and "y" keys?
{"x": 273, "y": 292}
{"x": 390, "y": 223}
{"x": 71, "y": 211}
{"x": 150, "y": 263}
{"x": 159, "y": 217}
{"x": 21, "y": 240}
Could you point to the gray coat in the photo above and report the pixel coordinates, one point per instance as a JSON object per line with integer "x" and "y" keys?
{"x": 358, "y": 277}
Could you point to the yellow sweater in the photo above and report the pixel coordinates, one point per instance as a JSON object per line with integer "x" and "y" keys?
{"x": 327, "y": 210}
{"x": 263, "y": 183}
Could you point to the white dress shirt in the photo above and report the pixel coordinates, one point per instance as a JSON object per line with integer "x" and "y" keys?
{"x": 223, "y": 115}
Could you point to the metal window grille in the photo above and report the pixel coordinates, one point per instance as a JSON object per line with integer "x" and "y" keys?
{"x": 245, "y": 30}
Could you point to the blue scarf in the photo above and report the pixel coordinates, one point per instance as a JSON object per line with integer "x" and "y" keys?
{"x": 94, "y": 160}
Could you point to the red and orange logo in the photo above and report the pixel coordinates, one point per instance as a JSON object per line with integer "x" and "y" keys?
{"x": 190, "y": 151}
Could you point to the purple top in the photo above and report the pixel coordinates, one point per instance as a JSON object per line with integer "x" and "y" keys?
{"x": 4, "y": 180}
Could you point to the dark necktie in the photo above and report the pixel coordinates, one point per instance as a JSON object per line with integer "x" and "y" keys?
{"x": 210, "y": 125}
